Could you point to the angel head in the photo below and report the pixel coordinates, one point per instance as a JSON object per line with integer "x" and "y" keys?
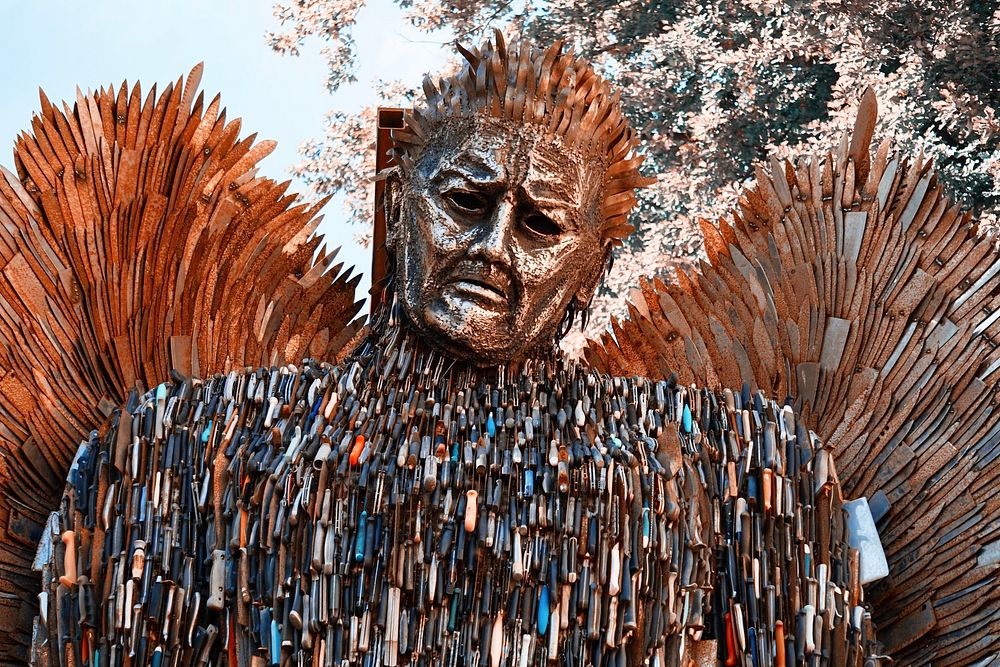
{"x": 516, "y": 176}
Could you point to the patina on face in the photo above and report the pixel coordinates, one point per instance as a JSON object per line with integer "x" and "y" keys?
{"x": 495, "y": 230}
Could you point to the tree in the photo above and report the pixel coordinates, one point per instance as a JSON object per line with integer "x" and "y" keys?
{"x": 714, "y": 87}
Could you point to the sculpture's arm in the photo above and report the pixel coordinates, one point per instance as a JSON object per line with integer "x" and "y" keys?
{"x": 136, "y": 237}
{"x": 791, "y": 554}
{"x": 851, "y": 283}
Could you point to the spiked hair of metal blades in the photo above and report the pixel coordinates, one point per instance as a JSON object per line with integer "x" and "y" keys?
{"x": 555, "y": 91}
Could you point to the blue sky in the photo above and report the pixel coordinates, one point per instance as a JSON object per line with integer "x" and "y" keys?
{"x": 61, "y": 44}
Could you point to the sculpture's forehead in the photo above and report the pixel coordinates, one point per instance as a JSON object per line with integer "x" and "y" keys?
{"x": 509, "y": 157}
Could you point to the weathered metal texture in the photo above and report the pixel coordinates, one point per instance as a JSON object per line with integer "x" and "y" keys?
{"x": 850, "y": 282}
{"x": 556, "y": 93}
{"x": 515, "y": 179}
{"x": 136, "y": 237}
{"x": 496, "y": 231}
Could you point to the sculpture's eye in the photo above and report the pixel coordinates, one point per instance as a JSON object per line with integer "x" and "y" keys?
{"x": 541, "y": 225}
{"x": 469, "y": 203}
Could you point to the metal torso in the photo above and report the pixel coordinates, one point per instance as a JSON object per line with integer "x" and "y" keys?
{"x": 399, "y": 511}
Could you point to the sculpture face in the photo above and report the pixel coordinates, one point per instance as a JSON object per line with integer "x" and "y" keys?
{"x": 496, "y": 231}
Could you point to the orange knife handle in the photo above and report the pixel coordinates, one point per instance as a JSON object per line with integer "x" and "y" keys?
{"x": 69, "y": 563}
{"x": 779, "y": 644}
{"x": 767, "y": 482}
{"x": 730, "y": 641}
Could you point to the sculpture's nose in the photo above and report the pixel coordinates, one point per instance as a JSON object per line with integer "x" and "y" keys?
{"x": 493, "y": 235}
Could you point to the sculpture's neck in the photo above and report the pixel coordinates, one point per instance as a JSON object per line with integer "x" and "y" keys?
{"x": 396, "y": 361}
{"x": 393, "y": 347}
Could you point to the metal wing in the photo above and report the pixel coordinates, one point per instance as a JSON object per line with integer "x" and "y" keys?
{"x": 850, "y": 282}
{"x": 136, "y": 238}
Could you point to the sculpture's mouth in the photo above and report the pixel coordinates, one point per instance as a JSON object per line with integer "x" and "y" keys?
{"x": 480, "y": 289}
{"x": 483, "y": 288}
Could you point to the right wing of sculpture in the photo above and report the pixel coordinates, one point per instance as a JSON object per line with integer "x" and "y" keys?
{"x": 136, "y": 238}
{"x": 851, "y": 282}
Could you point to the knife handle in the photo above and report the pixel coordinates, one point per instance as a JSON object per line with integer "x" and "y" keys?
{"x": 779, "y": 644}
{"x": 471, "y": 510}
{"x": 730, "y": 641}
{"x": 767, "y": 479}
{"x": 205, "y": 650}
{"x": 809, "y": 613}
{"x": 275, "y": 645}
{"x": 68, "y": 579}
{"x": 217, "y": 599}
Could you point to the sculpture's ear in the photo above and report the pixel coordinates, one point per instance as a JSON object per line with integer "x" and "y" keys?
{"x": 392, "y": 197}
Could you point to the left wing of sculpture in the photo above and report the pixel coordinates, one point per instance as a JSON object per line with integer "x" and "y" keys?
{"x": 850, "y": 282}
{"x": 135, "y": 238}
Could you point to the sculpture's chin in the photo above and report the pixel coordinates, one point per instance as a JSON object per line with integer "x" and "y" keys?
{"x": 474, "y": 330}
{"x": 476, "y": 326}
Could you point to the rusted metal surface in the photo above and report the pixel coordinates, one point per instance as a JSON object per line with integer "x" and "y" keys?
{"x": 910, "y": 629}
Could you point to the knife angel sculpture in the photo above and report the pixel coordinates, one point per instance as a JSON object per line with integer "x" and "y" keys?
{"x": 137, "y": 238}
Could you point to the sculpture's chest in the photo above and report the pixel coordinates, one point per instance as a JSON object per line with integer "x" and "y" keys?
{"x": 477, "y": 524}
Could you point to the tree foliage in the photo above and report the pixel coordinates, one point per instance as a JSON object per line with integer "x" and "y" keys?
{"x": 714, "y": 87}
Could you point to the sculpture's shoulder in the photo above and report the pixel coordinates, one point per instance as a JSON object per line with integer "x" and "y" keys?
{"x": 152, "y": 494}
{"x": 790, "y": 555}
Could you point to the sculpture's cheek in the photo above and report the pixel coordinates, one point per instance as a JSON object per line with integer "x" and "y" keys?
{"x": 551, "y": 276}
{"x": 430, "y": 242}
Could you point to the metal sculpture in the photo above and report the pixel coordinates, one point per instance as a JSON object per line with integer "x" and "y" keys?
{"x": 516, "y": 177}
{"x": 452, "y": 490}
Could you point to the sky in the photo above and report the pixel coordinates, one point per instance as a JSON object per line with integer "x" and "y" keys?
{"x": 61, "y": 44}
